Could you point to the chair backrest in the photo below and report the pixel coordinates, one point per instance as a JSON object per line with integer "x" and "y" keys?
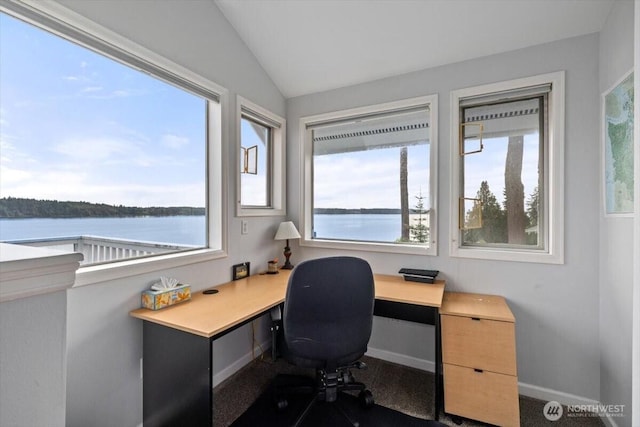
{"x": 328, "y": 312}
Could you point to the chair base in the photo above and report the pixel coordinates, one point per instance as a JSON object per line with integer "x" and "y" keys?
{"x": 325, "y": 387}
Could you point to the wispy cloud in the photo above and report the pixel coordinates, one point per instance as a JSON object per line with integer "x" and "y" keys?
{"x": 174, "y": 141}
{"x": 89, "y": 89}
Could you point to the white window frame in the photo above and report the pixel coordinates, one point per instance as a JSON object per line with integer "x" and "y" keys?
{"x": 37, "y": 13}
{"x": 306, "y": 222}
{"x": 553, "y": 164}
{"x": 277, "y": 169}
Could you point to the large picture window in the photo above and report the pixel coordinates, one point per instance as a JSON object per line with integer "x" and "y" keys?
{"x": 505, "y": 153}
{"x": 103, "y": 152}
{"x": 261, "y": 140}
{"x": 371, "y": 178}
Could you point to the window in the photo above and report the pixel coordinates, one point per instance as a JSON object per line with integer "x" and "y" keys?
{"x": 108, "y": 149}
{"x": 370, "y": 178}
{"x": 507, "y": 170}
{"x": 261, "y": 190}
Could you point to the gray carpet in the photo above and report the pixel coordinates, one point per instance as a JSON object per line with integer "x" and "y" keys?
{"x": 394, "y": 386}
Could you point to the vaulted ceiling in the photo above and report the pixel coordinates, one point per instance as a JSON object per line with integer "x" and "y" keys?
{"x": 309, "y": 46}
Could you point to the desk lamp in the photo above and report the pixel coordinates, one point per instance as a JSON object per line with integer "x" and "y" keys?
{"x": 287, "y": 231}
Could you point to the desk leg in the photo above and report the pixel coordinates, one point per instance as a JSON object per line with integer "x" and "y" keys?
{"x": 438, "y": 377}
{"x": 176, "y": 378}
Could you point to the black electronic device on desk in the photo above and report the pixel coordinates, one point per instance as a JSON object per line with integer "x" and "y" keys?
{"x": 418, "y": 275}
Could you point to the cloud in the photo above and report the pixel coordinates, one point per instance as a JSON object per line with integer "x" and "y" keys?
{"x": 11, "y": 176}
{"x": 89, "y": 89}
{"x": 174, "y": 141}
{"x": 94, "y": 149}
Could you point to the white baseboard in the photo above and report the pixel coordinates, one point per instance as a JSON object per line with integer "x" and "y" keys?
{"x": 548, "y": 394}
{"x": 402, "y": 359}
{"x": 227, "y": 372}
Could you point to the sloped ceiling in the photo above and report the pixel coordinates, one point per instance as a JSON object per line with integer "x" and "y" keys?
{"x": 309, "y": 46}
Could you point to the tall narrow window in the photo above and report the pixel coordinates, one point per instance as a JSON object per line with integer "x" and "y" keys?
{"x": 371, "y": 178}
{"x": 255, "y": 165}
{"x": 504, "y": 161}
{"x": 261, "y": 157}
{"x": 98, "y": 156}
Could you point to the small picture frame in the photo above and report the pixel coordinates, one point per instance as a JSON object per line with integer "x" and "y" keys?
{"x": 240, "y": 271}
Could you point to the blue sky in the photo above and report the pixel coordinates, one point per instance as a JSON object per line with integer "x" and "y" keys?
{"x": 77, "y": 126}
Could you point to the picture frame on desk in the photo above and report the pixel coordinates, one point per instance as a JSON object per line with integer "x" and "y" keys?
{"x": 240, "y": 271}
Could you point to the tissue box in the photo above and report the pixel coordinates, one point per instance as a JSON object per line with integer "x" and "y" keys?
{"x": 155, "y": 300}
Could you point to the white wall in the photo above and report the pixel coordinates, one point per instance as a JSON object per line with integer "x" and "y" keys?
{"x": 104, "y": 343}
{"x": 33, "y": 361}
{"x": 616, "y": 236}
{"x": 556, "y": 306}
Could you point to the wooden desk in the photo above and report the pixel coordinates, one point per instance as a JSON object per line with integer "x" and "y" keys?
{"x": 178, "y": 359}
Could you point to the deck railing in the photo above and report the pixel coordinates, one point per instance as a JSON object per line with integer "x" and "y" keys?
{"x": 96, "y": 249}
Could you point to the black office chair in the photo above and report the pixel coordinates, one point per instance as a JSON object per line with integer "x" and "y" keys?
{"x": 327, "y": 320}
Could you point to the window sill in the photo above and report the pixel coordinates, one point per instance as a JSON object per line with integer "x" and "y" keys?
{"x": 105, "y": 272}
{"x": 392, "y": 248}
{"x": 507, "y": 255}
{"x": 249, "y": 212}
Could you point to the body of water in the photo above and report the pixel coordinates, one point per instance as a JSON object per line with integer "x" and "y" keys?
{"x": 182, "y": 230}
{"x": 190, "y": 230}
{"x": 369, "y": 227}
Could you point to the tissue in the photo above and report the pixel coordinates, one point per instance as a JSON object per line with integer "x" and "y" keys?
{"x": 165, "y": 292}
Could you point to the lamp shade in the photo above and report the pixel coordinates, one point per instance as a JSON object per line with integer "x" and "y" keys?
{"x": 287, "y": 230}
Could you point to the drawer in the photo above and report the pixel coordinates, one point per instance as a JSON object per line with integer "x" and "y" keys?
{"x": 483, "y": 396}
{"x": 479, "y": 343}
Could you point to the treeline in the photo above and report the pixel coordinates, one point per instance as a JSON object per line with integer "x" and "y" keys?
{"x": 11, "y": 207}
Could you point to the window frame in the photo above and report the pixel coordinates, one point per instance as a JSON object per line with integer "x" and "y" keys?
{"x": 276, "y": 179}
{"x": 553, "y": 204}
{"x": 306, "y": 208}
{"x": 60, "y": 21}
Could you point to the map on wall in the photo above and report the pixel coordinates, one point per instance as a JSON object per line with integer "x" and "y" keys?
{"x": 618, "y": 147}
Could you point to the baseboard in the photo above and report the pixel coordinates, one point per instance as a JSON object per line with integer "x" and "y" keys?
{"x": 402, "y": 359}
{"x": 546, "y": 394}
{"x": 227, "y": 372}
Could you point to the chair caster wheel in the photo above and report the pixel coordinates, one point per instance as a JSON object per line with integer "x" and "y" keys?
{"x": 282, "y": 403}
{"x": 366, "y": 398}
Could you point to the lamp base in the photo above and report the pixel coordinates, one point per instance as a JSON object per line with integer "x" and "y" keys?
{"x": 287, "y": 254}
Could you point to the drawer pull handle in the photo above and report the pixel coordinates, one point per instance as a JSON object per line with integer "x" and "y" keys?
{"x": 478, "y": 370}
{"x": 476, "y": 319}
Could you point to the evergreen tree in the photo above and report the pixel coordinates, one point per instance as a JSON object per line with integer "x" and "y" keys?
{"x": 494, "y": 219}
{"x": 420, "y": 230}
{"x": 532, "y": 216}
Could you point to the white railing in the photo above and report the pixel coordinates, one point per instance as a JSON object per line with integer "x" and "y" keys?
{"x": 96, "y": 249}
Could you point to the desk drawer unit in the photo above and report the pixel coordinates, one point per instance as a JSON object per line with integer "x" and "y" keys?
{"x": 479, "y": 358}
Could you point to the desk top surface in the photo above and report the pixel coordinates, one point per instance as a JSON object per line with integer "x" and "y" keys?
{"x": 238, "y": 301}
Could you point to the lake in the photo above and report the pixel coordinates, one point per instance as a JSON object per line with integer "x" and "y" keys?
{"x": 189, "y": 230}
